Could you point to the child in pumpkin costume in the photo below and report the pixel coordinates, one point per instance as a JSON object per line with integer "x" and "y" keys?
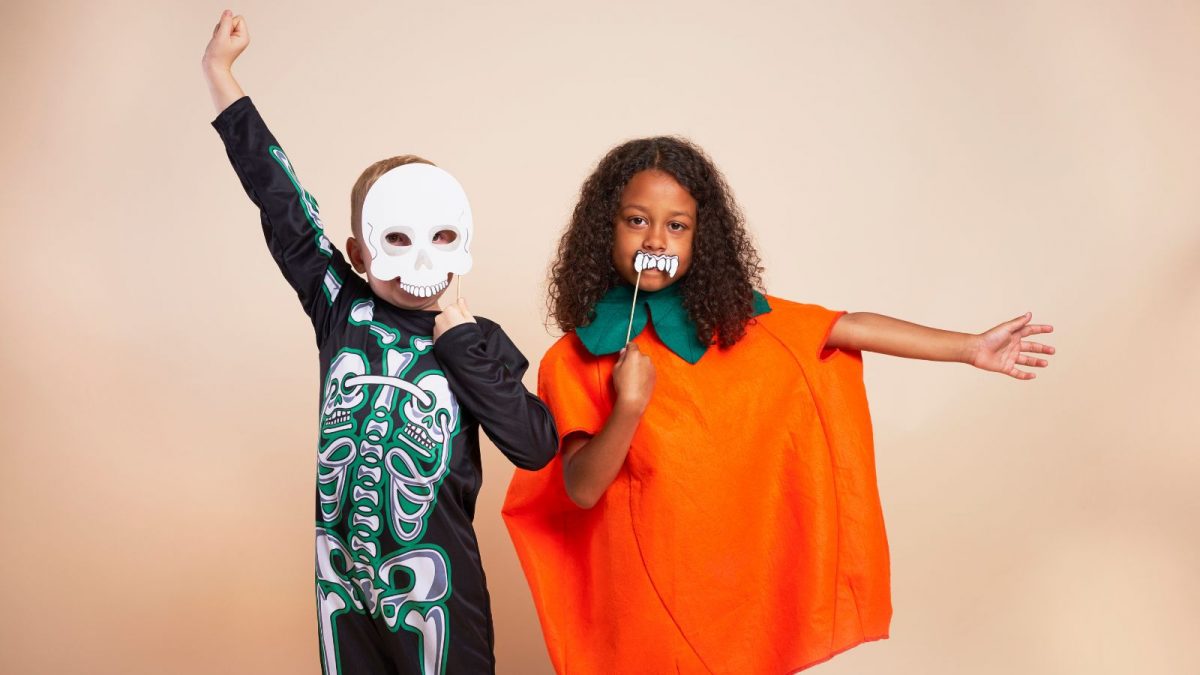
{"x": 730, "y": 522}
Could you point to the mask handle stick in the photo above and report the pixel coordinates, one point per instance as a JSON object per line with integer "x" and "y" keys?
{"x": 633, "y": 306}
{"x": 458, "y": 288}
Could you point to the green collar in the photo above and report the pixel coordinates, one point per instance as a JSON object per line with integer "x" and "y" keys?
{"x": 610, "y": 320}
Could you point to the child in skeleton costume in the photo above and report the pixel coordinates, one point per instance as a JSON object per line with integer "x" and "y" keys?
{"x": 405, "y": 389}
{"x": 714, "y": 505}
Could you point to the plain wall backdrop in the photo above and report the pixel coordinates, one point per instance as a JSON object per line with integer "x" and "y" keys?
{"x": 950, "y": 163}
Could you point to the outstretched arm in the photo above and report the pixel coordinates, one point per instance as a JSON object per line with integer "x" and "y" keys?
{"x": 1000, "y": 349}
{"x": 229, "y": 39}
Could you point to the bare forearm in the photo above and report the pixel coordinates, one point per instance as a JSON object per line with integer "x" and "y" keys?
{"x": 222, "y": 85}
{"x": 590, "y": 467}
{"x": 869, "y": 332}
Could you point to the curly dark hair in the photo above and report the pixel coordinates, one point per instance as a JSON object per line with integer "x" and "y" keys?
{"x": 718, "y": 290}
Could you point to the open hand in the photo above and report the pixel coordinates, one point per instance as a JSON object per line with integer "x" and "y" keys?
{"x": 1004, "y": 347}
{"x": 451, "y": 316}
{"x": 229, "y": 39}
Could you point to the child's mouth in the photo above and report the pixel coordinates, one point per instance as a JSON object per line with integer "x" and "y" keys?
{"x": 668, "y": 264}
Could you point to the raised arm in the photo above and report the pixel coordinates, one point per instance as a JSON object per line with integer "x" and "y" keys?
{"x": 291, "y": 220}
{"x": 1000, "y": 349}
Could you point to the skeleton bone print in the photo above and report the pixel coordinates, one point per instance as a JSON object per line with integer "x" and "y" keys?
{"x": 394, "y": 504}
{"x": 386, "y": 442}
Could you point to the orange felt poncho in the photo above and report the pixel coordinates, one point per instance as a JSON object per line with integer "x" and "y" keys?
{"x": 744, "y": 532}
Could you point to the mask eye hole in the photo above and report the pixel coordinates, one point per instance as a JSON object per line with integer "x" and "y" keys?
{"x": 445, "y": 238}
{"x": 397, "y": 240}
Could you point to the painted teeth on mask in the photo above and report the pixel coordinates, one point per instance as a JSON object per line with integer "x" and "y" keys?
{"x": 643, "y": 261}
{"x": 425, "y": 291}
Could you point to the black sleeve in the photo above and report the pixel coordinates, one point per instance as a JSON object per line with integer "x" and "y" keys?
{"x": 290, "y": 218}
{"x": 485, "y": 368}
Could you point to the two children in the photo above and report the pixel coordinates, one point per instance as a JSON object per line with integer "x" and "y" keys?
{"x": 713, "y": 508}
{"x": 400, "y": 587}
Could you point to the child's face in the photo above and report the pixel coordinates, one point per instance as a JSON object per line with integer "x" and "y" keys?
{"x": 657, "y": 216}
{"x": 390, "y": 290}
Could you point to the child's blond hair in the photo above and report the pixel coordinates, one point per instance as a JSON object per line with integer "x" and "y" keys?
{"x": 358, "y": 194}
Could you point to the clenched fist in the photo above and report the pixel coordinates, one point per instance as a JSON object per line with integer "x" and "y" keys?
{"x": 451, "y": 316}
{"x": 633, "y": 378}
{"x": 229, "y": 39}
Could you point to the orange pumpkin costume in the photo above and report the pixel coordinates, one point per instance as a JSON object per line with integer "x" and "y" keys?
{"x": 744, "y": 532}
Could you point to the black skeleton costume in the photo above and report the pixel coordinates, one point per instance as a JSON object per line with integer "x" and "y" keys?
{"x": 400, "y": 587}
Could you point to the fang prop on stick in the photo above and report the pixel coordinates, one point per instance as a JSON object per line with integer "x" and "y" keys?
{"x": 666, "y": 264}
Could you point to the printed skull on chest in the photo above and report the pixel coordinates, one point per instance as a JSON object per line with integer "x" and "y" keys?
{"x": 428, "y": 425}
{"x": 343, "y": 393}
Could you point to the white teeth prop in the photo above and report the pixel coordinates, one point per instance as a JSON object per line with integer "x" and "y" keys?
{"x": 643, "y": 261}
{"x": 425, "y": 291}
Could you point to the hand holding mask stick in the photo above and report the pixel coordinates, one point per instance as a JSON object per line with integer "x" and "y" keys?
{"x": 451, "y": 316}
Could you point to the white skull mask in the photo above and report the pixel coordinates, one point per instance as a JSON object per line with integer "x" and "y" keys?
{"x": 417, "y": 201}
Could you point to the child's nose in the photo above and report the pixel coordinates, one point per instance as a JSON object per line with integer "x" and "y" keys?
{"x": 655, "y": 240}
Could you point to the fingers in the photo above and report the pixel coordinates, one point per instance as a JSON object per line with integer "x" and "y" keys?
{"x": 1031, "y": 361}
{"x": 223, "y": 24}
{"x": 461, "y": 312}
{"x": 1015, "y": 324}
{"x": 625, "y": 354}
{"x": 449, "y": 316}
{"x": 1036, "y": 347}
{"x": 1021, "y": 374}
{"x": 1035, "y": 329}
{"x": 238, "y": 28}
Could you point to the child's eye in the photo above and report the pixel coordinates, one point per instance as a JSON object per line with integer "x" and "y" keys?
{"x": 637, "y": 221}
{"x": 677, "y": 227}
{"x": 444, "y": 236}
{"x": 397, "y": 239}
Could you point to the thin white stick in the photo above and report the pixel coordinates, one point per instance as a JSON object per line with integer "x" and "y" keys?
{"x": 458, "y": 288}
{"x": 632, "y": 307}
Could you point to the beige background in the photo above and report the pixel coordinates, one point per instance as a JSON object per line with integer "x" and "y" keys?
{"x": 952, "y": 163}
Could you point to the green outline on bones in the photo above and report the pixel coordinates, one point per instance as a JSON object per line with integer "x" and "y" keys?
{"x": 387, "y": 338}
